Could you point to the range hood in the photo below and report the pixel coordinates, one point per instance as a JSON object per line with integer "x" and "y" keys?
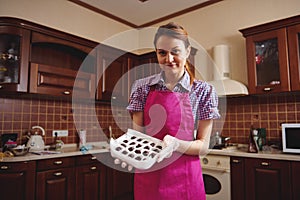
{"x": 221, "y": 75}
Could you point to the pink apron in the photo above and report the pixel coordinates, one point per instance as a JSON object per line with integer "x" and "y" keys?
{"x": 180, "y": 176}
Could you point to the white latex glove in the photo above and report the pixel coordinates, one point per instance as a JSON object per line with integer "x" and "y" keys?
{"x": 123, "y": 164}
{"x": 171, "y": 144}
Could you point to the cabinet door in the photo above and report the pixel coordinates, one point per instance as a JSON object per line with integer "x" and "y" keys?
{"x": 113, "y": 80}
{"x": 267, "y": 179}
{"x": 120, "y": 185}
{"x": 55, "y": 184}
{"x": 14, "y": 54}
{"x": 62, "y": 66}
{"x": 45, "y": 79}
{"x": 267, "y": 60}
{"x": 237, "y": 167}
{"x": 296, "y": 180}
{"x": 294, "y": 55}
{"x": 119, "y": 181}
{"x": 17, "y": 180}
{"x": 90, "y": 182}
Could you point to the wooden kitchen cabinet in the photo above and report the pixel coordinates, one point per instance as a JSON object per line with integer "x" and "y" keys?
{"x": 90, "y": 178}
{"x": 295, "y": 166}
{"x": 27, "y": 49}
{"x": 55, "y": 179}
{"x": 45, "y": 79}
{"x": 267, "y": 179}
{"x": 112, "y": 66}
{"x": 120, "y": 185}
{"x": 273, "y": 56}
{"x": 294, "y": 55}
{"x": 237, "y": 176}
{"x": 62, "y": 67}
{"x": 119, "y": 182}
{"x": 17, "y": 180}
{"x": 260, "y": 179}
{"x": 14, "y": 51}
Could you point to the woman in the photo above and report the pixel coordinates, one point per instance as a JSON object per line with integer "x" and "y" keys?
{"x": 170, "y": 106}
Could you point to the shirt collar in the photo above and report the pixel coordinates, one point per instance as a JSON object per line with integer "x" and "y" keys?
{"x": 184, "y": 81}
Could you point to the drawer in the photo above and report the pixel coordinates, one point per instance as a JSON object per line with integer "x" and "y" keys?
{"x": 16, "y": 166}
{"x": 87, "y": 159}
{"x": 55, "y": 163}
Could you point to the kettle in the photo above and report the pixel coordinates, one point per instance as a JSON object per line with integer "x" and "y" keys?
{"x": 36, "y": 142}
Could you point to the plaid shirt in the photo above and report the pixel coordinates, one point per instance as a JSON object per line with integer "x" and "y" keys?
{"x": 203, "y": 98}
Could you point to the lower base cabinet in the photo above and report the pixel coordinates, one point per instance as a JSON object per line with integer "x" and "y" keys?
{"x": 17, "y": 180}
{"x": 86, "y": 177}
{"x": 296, "y": 180}
{"x": 119, "y": 182}
{"x": 90, "y": 178}
{"x": 55, "y": 179}
{"x": 120, "y": 185}
{"x": 261, "y": 179}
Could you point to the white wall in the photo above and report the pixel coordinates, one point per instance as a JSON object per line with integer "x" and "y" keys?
{"x": 209, "y": 26}
{"x": 63, "y": 15}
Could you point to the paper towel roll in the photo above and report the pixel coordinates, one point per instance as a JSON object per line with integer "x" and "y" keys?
{"x": 222, "y": 61}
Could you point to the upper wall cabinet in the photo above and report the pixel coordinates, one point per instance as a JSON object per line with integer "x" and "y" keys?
{"x": 112, "y": 66}
{"x": 41, "y": 60}
{"x": 60, "y": 67}
{"x": 14, "y": 45}
{"x": 273, "y": 56}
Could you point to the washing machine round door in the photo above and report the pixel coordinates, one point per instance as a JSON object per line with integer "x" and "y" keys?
{"x": 212, "y": 185}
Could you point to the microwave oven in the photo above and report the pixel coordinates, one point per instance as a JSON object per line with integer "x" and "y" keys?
{"x": 291, "y": 138}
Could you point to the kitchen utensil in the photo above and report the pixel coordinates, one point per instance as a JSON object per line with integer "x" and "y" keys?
{"x": 19, "y": 150}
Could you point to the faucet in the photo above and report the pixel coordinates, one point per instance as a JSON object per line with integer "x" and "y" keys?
{"x": 39, "y": 127}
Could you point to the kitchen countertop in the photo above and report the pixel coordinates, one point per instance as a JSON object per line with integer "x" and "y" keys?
{"x": 242, "y": 152}
{"x": 103, "y": 147}
{"x": 66, "y": 151}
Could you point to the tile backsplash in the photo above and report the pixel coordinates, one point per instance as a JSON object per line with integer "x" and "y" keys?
{"x": 261, "y": 111}
{"x": 19, "y": 114}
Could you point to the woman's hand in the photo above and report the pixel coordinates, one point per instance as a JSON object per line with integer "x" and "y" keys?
{"x": 170, "y": 144}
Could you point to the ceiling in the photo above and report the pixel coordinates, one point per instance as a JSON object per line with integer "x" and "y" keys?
{"x": 142, "y": 13}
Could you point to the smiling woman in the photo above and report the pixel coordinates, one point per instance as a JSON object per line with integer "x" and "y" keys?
{"x": 190, "y": 106}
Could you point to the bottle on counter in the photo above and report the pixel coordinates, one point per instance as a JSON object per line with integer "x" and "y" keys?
{"x": 252, "y": 148}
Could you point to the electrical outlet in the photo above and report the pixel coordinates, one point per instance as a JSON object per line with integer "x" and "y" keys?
{"x": 60, "y": 133}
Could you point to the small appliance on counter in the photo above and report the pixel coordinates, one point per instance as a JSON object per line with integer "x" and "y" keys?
{"x": 291, "y": 138}
{"x": 36, "y": 142}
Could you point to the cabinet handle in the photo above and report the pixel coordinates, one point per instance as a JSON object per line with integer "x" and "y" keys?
{"x": 103, "y": 75}
{"x": 93, "y": 158}
{"x": 4, "y": 167}
{"x": 59, "y": 162}
{"x": 66, "y": 92}
{"x": 265, "y": 163}
{"x": 267, "y": 89}
{"x": 93, "y": 168}
{"x": 1, "y": 86}
{"x": 236, "y": 161}
{"x": 57, "y": 174}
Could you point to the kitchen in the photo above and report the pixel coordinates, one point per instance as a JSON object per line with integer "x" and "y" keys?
{"x": 226, "y": 18}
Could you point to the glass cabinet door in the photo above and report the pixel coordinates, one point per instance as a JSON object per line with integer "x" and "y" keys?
{"x": 294, "y": 55}
{"x": 9, "y": 60}
{"x": 267, "y": 62}
{"x": 267, "y": 58}
{"x": 14, "y": 52}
